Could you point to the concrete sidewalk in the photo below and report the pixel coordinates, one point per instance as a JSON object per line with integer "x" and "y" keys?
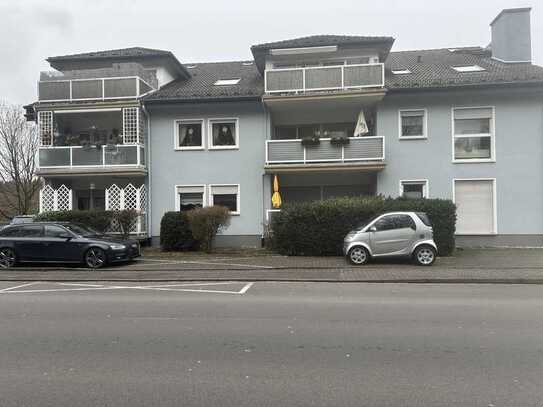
{"x": 470, "y": 266}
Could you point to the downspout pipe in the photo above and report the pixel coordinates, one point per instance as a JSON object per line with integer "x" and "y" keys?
{"x": 149, "y": 170}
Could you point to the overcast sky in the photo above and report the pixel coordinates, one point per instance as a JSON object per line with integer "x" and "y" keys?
{"x": 213, "y": 30}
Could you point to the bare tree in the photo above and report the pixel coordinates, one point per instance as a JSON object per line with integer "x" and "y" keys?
{"x": 18, "y": 147}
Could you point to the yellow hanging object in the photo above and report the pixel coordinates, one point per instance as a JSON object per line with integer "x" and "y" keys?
{"x": 276, "y": 197}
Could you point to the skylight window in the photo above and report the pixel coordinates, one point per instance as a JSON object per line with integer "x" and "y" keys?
{"x": 401, "y": 71}
{"x": 226, "y": 82}
{"x": 468, "y": 68}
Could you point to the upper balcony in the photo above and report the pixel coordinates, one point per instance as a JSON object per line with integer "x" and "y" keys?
{"x": 120, "y": 81}
{"x": 70, "y": 90}
{"x": 324, "y": 78}
{"x": 93, "y": 141}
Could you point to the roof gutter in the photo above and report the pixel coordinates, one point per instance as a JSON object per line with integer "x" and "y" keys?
{"x": 538, "y": 83}
{"x": 203, "y": 100}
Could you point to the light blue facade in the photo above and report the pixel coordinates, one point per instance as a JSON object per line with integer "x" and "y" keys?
{"x": 243, "y": 166}
{"x": 518, "y": 162}
{"x": 518, "y": 166}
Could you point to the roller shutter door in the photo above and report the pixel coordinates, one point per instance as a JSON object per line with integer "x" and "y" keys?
{"x": 475, "y": 207}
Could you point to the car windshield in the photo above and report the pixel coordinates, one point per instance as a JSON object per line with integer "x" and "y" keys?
{"x": 82, "y": 230}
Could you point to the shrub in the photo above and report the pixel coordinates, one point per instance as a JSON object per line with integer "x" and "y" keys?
{"x": 96, "y": 219}
{"x": 318, "y": 228}
{"x": 99, "y": 220}
{"x": 206, "y": 222}
{"x": 175, "y": 232}
{"x": 126, "y": 219}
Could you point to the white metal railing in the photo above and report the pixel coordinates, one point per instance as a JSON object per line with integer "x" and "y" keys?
{"x": 123, "y": 87}
{"x": 336, "y": 77}
{"x": 370, "y": 148}
{"x": 121, "y": 155}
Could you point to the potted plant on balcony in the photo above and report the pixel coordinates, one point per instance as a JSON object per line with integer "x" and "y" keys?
{"x": 339, "y": 138}
{"x": 312, "y": 140}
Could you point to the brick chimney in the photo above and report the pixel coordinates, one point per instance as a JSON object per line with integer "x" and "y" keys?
{"x": 511, "y": 40}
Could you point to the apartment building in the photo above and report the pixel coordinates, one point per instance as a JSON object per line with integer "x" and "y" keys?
{"x": 326, "y": 115}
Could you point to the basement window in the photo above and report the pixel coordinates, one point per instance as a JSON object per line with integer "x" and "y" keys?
{"x": 401, "y": 71}
{"x": 468, "y": 68}
{"x": 226, "y": 82}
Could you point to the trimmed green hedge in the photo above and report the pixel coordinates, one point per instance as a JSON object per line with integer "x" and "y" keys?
{"x": 99, "y": 220}
{"x": 175, "y": 232}
{"x": 96, "y": 219}
{"x": 318, "y": 228}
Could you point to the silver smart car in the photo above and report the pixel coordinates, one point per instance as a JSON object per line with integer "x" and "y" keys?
{"x": 392, "y": 234}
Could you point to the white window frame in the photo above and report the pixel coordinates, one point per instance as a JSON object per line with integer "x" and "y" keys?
{"x": 176, "y": 124}
{"x": 210, "y": 123}
{"x": 425, "y": 186}
{"x": 492, "y": 158}
{"x": 494, "y": 204}
{"x": 238, "y": 203}
{"x": 176, "y": 188}
{"x": 424, "y": 124}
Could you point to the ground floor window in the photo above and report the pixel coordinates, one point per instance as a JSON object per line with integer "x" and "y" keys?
{"x": 475, "y": 200}
{"x": 225, "y": 195}
{"x": 190, "y": 197}
{"x": 415, "y": 189}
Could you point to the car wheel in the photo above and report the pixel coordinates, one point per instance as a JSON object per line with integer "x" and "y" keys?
{"x": 7, "y": 258}
{"x": 358, "y": 255}
{"x": 425, "y": 255}
{"x": 95, "y": 258}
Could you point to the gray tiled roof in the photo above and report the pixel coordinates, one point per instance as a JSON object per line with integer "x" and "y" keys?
{"x": 431, "y": 70}
{"x": 123, "y": 54}
{"x": 322, "y": 40}
{"x": 203, "y": 76}
{"x": 113, "y": 53}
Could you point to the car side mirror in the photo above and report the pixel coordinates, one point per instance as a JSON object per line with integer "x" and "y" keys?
{"x": 373, "y": 229}
{"x": 66, "y": 236}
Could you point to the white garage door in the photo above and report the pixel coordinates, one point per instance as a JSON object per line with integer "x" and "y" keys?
{"x": 475, "y": 207}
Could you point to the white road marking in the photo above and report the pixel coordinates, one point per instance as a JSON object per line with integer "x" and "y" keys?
{"x": 161, "y": 287}
{"x": 244, "y": 289}
{"x": 17, "y": 286}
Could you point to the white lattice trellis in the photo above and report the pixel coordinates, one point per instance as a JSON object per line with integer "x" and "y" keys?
{"x": 47, "y": 199}
{"x": 113, "y": 198}
{"x": 45, "y": 126}
{"x": 130, "y": 125}
{"x": 55, "y": 199}
{"x": 64, "y": 198}
{"x": 129, "y": 197}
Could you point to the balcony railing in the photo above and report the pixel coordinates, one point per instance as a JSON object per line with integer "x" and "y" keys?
{"x": 338, "y": 77}
{"x": 294, "y": 152}
{"x": 92, "y": 89}
{"x": 78, "y": 156}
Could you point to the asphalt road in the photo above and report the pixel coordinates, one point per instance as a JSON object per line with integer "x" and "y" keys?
{"x": 271, "y": 344}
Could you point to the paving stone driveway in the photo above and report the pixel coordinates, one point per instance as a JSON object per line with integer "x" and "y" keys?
{"x": 488, "y": 265}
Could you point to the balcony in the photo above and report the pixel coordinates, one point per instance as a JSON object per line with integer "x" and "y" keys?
{"x": 324, "y": 78}
{"x": 59, "y": 89}
{"x": 357, "y": 151}
{"x": 73, "y": 157}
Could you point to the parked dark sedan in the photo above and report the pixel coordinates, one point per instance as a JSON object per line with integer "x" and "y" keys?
{"x": 42, "y": 242}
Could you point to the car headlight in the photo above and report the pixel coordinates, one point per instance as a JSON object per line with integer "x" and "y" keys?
{"x": 117, "y": 246}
